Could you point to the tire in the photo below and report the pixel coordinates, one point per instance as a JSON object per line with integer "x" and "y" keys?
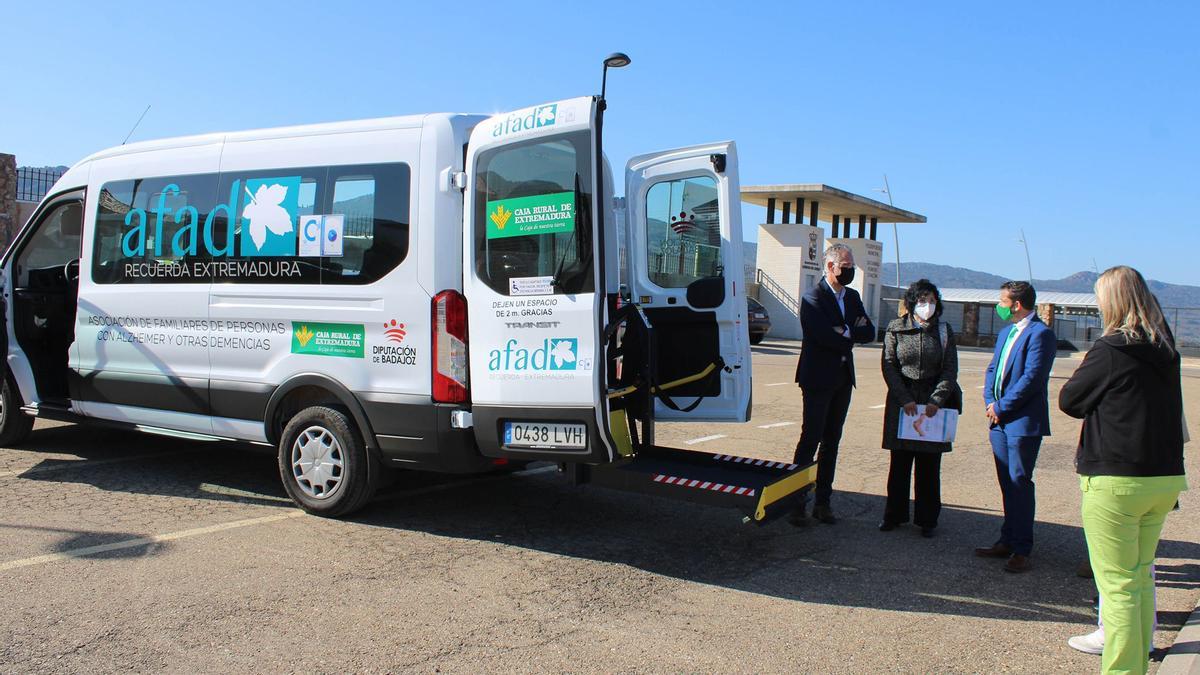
{"x": 324, "y": 464}
{"x": 755, "y": 339}
{"x": 14, "y": 424}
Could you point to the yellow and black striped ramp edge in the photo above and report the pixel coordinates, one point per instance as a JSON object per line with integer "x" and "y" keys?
{"x": 761, "y": 489}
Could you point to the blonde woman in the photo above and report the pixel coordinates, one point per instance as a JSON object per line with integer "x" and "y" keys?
{"x": 1130, "y": 458}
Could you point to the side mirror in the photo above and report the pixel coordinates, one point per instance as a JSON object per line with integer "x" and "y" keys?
{"x": 706, "y": 293}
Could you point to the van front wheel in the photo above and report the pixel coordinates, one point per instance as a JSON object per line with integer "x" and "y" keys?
{"x": 14, "y": 424}
{"x": 324, "y": 463}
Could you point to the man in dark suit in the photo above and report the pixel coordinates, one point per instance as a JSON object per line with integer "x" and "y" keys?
{"x": 1015, "y": 400}
{"x": 833, "y": 319}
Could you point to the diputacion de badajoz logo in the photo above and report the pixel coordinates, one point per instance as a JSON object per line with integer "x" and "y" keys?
{"x": 397, "y": 353}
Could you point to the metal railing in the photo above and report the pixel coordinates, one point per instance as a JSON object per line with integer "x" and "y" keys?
{"x": 772, "y": 288}
{"x": 34, "y": 182}
{"x": 677, "y": 263}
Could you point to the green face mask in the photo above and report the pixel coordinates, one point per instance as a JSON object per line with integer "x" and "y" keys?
{"x": 1005, "y": 313}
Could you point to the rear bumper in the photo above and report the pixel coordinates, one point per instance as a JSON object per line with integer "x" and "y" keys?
{"x": 419, "y": 435}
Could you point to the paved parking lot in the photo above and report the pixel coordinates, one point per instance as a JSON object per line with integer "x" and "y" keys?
{"x": 134, "y": 552}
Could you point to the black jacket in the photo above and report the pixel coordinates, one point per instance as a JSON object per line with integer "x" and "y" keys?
{"x": 918, "y": 369}
{"x": 1131, "y": 401}
{"x": 824, "y": 345}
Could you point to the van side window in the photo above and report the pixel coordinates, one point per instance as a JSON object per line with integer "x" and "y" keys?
{"x": 299, "y": 225}
{"x": 52, "y": 246}
{"x": 533, "y": 215}
{"x": 373, "y": 202}
{"x": 683, "y": 231}
{"x": 307, "y": 202}
{"x": 151, "y": 225}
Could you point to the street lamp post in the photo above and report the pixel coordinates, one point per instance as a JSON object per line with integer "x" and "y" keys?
{"x": 887, "y": 189}
{"x": 1028, "y": 265}
{"x": 614, "y": 60}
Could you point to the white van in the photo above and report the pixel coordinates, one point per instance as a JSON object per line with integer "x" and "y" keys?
{"x": 434, "y": 291}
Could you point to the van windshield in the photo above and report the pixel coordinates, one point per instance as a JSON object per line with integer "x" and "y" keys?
{"x": 533, "y": 226}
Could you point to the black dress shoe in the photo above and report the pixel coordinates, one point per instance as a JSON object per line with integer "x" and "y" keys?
{"x": 823, "y": 513}
{"x": 886, "y": 526}
{"x": 927, "y": 532}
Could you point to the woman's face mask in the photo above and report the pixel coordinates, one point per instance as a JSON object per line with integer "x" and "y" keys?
{"x": 924, "y": 310}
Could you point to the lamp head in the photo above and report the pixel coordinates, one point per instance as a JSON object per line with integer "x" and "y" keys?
{"x": 616, "y": 60}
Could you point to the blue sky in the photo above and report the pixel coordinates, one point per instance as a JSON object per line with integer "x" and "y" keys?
{"x": 1077, "y": 121}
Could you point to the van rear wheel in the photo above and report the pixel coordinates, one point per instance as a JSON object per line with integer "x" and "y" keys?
{"x": 14, "y": 424}
{"x": 325, "y": 466}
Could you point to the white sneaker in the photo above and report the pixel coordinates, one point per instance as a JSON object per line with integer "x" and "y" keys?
{"x": 1092, "y": 643}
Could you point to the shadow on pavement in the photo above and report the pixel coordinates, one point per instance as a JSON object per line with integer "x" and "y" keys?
{"x": 129, "y": 461}
{"x": 73, "y": 540}
{"x": 850, "y": 564}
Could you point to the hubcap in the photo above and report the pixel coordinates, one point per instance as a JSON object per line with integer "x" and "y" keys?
{"x": 318, "y": 462}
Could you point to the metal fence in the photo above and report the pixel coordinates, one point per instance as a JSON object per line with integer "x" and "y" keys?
{"x": 33, "y": 183}
{"x": 678, "y": 262}
{"x": 1185, "y": 323}
{"x": 1078, "y": 327}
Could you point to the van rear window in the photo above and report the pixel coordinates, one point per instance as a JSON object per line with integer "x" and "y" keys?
{"x": 533, "y": 215}
{"x": 305, "y": 225}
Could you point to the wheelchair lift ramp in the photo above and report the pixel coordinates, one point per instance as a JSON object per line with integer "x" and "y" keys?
{"x": 759, "y": 488}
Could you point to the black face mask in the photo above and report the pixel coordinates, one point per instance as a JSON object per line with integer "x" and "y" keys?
{"x": 845, "y": 275}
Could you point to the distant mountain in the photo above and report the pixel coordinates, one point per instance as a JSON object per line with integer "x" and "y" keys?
{"x": 945, "y": 276}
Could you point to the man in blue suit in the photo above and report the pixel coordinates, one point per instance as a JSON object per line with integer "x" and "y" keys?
{"x": 833, "y": 319}
{"x": 1015, "y": 396}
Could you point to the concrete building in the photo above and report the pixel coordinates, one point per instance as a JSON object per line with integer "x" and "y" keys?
{"x": 790, "y": 253}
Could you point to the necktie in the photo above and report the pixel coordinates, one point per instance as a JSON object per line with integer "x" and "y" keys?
{"x": 1012, "y": 337}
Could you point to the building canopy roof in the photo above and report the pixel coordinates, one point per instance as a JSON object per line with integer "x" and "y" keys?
{"x": 833, "y": 202}
{"x": 991, "y": 295}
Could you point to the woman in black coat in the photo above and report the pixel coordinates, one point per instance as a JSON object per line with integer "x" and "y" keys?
{"x": 920, "y": 367}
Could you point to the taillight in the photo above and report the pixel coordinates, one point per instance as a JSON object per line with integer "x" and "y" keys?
{"x": 449, "y": 347}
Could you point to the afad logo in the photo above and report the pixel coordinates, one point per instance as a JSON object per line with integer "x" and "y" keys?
{"x": 554, "y": 354}
{"x": 541, "y": 116}
{"x": 265, "y": 210}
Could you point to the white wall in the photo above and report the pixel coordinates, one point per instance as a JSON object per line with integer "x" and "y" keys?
{"x": 789, "y": 260}
{"x": 868, "y": 258}
{"x": 24, "y": 211}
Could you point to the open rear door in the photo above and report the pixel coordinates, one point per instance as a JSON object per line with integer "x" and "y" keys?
{"x": 534, "y": 284}
{"x": 684, "y": 243}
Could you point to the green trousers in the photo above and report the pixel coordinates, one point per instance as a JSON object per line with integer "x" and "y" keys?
{"x": 1123, "y": 518}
